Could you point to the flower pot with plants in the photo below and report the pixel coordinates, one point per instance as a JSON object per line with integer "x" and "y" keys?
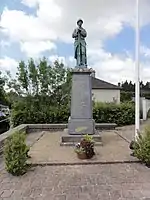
{"x": 81, "y": 153}
{"x": 85, "y": 149}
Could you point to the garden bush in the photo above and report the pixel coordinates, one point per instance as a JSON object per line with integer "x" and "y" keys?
{"x": 25, "y": 113}
{"x": 16, "y": 154}
{"x": 126, "y": 96}
{"x": 121, "y": 114}
{"x": 142, "y": 147}
{"x": 34, "y": 113}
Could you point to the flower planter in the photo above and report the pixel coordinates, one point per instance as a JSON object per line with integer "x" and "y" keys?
{"x": 82, "y": 155}
{"x": 85, "y": 149}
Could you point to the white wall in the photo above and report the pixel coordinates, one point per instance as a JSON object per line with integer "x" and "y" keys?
{"x": 106, "y": 95}
{"x": 146, "y": 107}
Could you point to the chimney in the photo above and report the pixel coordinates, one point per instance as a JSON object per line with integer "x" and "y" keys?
{"x": 93, "y": 74}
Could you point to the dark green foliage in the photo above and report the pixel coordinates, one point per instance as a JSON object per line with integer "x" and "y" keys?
{"x": 34, "y": 111}
{"x": 126, "y": 96}
{"x": 142, "y": 147}
{"x": 16, "y": 154}
{"x": 121, "y": 114}
{"x": 42, "y": 81}
{"x": 3, "y": 98}
{"x": 41, "y": 92}
{"x": 130, "y": 87}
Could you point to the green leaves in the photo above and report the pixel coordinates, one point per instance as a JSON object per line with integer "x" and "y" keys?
{"x": 44, "y": 81}
{"x": 16, "y": 154}
{"x": 33, "y": 110}
{"x": 142, "y": 147}
{"x": 121, "y": 114}
{"x": 3, "y": 98}
{"x": 23, "y": 76}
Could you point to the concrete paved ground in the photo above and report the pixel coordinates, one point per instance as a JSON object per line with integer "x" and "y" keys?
{"x": 88, "y": 182}
{"x": 48, "y": 150}
{"x": 46, "y": 147}
{"x": 79, "y": 182}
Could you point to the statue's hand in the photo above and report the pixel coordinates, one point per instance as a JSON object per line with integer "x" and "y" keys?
{"x": 79, "y": 30}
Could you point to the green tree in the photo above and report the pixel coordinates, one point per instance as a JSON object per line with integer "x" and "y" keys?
{"x": 43, "y": 77}
{"x": 22, "y": 76}
{"x": 42, "y": 83}
{"x": 33, "y": 77}
{"x": 60, "y": 83}
{"x": 3, "y": 98}
{"x": 13, "y": 83}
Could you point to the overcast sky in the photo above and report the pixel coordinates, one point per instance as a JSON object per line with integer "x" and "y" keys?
{"x": 37, "y": 28}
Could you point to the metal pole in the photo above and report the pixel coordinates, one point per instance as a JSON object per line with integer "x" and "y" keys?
{"x": 137, "y": 72}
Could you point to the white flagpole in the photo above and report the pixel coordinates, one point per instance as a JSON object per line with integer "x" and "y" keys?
{"x": 137, "y": 73}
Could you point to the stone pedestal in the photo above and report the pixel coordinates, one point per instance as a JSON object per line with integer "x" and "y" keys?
{"x": 81, "y": 119}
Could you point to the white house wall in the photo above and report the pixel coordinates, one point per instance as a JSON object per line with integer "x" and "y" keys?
{"x": 106, "y": 95}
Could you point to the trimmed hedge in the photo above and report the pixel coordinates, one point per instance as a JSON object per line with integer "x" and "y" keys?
{"x": 126, "y": 96}
{"x": 25, "y": 112}
{"x": 29, "y": 113}
{"x": 121, "y": 114}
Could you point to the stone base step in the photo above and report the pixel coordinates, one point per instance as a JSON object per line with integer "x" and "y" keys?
{"x": 72, "y": 140}
{"x": 74, "y": 143}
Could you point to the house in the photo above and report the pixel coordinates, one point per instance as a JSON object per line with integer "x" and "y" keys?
{"x": 103, "y": 91}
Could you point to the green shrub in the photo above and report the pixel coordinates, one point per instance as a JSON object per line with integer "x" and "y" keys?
{"x": 126, "y": 96}
{"x": 24, "y": 113}
{"x": 16, "y": 154}
{"x": 142, "y": 147}
{"x": 121, "y": 114}
{"x": 29, "y": 113}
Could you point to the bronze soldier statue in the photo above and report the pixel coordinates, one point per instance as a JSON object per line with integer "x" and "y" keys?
{"x": 80, "y": 45}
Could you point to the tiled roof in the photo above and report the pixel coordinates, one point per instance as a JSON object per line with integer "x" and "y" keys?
{"x": 100, "y": 84}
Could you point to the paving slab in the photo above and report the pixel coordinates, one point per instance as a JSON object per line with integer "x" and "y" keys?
{"x": 48, "y": 150}
{"x": 96, "y": 182}
{"x": 127, "y": 132}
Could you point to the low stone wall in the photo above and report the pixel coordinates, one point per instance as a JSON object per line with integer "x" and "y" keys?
{"x": 61, "y": 127}
{"x": 28, "y": 128}
{"x": 45, "y": 127}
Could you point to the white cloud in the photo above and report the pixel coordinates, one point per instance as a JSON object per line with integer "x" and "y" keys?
{"x": 145, "y": 51}
{"x": 56, "y": 19}
{"x": 33, "y": 49}
{"x": 67, "y": 61}
{"x": 4, "y": 43}
{"x": 8, "y": 64}
{"x": 117, "y": 67}
{"x": 111, "y": 68}
{"x": 30, "y": 3}
{"x": 60, "y": 59}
